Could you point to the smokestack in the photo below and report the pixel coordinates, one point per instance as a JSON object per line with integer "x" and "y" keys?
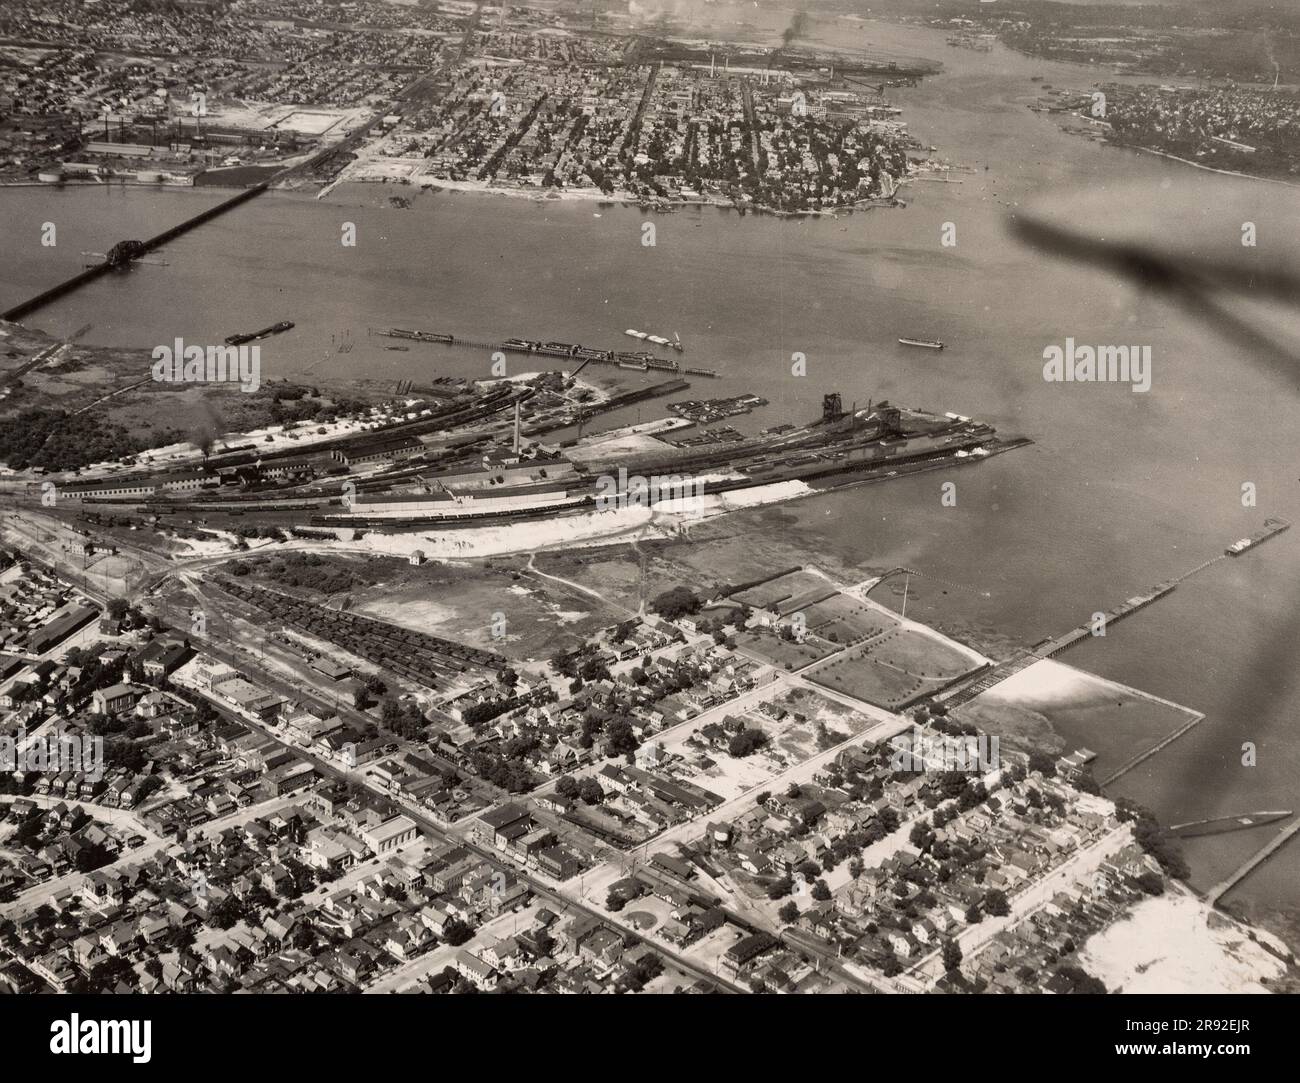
{"x": 516, "y": 426}
{"x": 712, "y": 60}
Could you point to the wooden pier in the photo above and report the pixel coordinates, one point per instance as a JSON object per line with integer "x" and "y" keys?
{"x": 1224, "y": 886}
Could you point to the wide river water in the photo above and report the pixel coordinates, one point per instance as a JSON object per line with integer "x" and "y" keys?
{"x": 1119, "y": 491}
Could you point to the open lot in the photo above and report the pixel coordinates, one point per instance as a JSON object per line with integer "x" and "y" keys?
{"x": 810, "y": 724}
{"x": 787, "y": 592}
{"x": 462, "y": 602}
{"x": 842, "y": 619}
{"x": 894, "y": 669}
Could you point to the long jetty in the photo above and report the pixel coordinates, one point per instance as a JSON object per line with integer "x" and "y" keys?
{"x": 137, "y": 248}
{"x": 1050, "y": 648}
{"x": 564, "y": 351}
{"x": 1224, "y": 886}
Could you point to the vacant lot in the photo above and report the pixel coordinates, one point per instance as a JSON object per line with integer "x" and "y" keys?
{"x": 842, "y": 619}
{"x": 487, "y": 606}
{"x": 893, "y": 670}
{"x": 808, "y": 587}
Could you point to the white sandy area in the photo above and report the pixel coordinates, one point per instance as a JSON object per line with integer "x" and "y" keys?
{"x": 633, "y": 440}
{"x": 222, "y": 542}
{"x": 1166, "y": 946}
{"x": 1048, "y": 682}
{"x": 595, "y": 528}
{"x": 539, "y": 194}
{"x": 303, "y": 437}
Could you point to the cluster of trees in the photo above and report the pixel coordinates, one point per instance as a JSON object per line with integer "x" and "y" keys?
{"x": 746, "y": 741}
{"x": 588, "y": 790}
{"x": 509, "y": 774}
{"x": 404, "y": 719}
{"x": 480, "y": 714}
{"x": 1153, "y": 838}
{"x": 59, "y": 440}
{"x": 675, "y": 603}
{"x": 324, "y": 575}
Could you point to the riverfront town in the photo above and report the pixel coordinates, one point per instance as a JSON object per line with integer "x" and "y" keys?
{"x": 438, "y": 685}
{"x": 360, "y": 717}
{"x": 545, "y": 101}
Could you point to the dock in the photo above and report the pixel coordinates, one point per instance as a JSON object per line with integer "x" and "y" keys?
{"x": 1164, "y": 742}
{"x": 641, "y": 361}
{"x": 1224, "y": 886}
{"x": 1050, "y": 648}
{"x": 1238, "y": 822}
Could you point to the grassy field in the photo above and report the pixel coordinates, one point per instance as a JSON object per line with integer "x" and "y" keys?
{"x": 766, "y": 644}
{"x": 894, "y": 670}
{"x": 787, "y": 587}
{"x": 462, "y": 602}
{"x": 846, "y": 620}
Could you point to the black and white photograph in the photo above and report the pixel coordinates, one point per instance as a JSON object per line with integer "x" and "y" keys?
{"x": 649, "y": 498}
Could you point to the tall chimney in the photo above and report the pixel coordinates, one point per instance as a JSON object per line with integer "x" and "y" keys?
{"x": 516, "y": 426}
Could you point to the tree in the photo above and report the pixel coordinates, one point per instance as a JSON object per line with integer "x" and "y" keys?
{"x": 779, "y": 889}
{"x": 675, "y": 603}
{"x": 567, "y": 787}
{"x": 995, "y": 903}
{"x": 225, "y": 913}
{"x": 789, "y": 913}
{"x": 589, "y": 790}
{"x": 951, "y": 954}
{"x": 455, "y": 932}
{"x": 821, "y": 891}
{"x": 746, "y": 741}
{"x": 116, "y": 608}
{"x": 1151, "y": 882}
{"x": 620, "y": 737}
{"x": 1043, "y": 763}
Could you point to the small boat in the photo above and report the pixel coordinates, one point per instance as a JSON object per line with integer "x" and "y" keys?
{"x": 399, "y": 349}
{"x": 929, "y": 345}
{"x": 636, "y": 334}
{"x": 265, "y": 332}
